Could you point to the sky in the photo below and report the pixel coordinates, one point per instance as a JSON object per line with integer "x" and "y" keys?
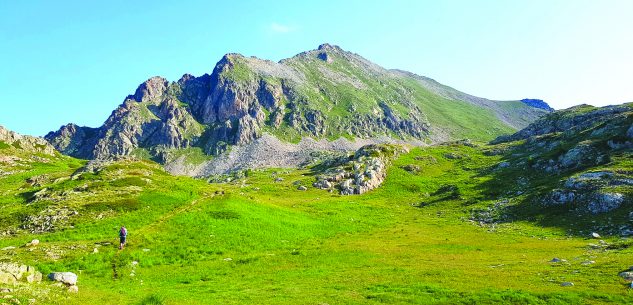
{"x": 75, "y": 61}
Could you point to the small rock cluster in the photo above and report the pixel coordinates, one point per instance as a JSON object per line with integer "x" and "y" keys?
{"x": 592, "y": 191}
{"x": 47, "y": 220}
{"x": 12, "y": 273}
{"x": 491, "y": 215}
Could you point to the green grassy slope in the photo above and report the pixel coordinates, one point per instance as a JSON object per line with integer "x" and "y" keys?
{"x": 255, "y": 240}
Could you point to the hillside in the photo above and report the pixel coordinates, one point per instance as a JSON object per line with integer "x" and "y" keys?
{"x": 456, "y": 223}
{"x": 323, "y": 94}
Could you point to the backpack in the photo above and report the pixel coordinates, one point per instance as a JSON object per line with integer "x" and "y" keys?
{"x": 123, "y": 232}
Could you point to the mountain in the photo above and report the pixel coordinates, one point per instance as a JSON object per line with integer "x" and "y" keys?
{"x": 327, "y": 93}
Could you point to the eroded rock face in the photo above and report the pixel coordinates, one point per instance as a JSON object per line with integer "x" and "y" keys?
{"x": 12, "y": 273}
{"x": 74, "y": 140}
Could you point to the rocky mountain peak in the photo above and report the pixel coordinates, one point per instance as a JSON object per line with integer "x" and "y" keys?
{"x": 151, "y": 89}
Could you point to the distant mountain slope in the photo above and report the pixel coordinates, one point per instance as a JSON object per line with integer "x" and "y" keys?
{"x": 326, "y": 93}
{"x": 16, "y": 143}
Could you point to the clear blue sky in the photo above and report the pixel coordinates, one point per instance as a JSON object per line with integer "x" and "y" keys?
{"x": 75, "y": 61}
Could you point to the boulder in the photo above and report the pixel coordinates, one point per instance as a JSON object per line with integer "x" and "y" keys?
{"x": 302, "y": 188}
{"x": 605, "y": 202}
{"x": 567, "y": 284}
{"x": 626, "y": 275}
{"x": 73, "y": 289}
{"x": 595, "y": 235}
{"x": 67, "y": 278}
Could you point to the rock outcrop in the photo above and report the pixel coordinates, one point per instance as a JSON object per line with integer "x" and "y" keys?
{"x": 28, "y": 143}
{"x": 359, "y": 173}
{"x": 585, "y": 146}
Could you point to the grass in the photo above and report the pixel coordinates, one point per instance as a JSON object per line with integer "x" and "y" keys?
{"x": 259, "y": 241}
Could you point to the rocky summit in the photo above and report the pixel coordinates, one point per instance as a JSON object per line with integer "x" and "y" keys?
{"x": 327, "y": 93}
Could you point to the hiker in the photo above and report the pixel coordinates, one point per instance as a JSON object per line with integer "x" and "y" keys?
{"x": 122, "y": 237}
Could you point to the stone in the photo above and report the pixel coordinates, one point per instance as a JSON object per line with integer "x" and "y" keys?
{"x": 95, "y": 250}
{"x": 73, "y": 289}
{"x": 8, "y": 248}
{"x": 6, "y": 290}
{"x": 67, "y": 278}
{"x": 504, "y": 165}
{"x": 34, "y": 242}
{"x": 555, "y": 260}
{"x": 302, "y": 188}
{"x": 627, "y": 275}
{"x": 567, "y": 284}
{"x": 228, "y": 259}
{"x": 595, "y": 235}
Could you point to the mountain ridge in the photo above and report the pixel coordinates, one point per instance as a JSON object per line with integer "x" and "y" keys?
{"x": 326, "y": 93}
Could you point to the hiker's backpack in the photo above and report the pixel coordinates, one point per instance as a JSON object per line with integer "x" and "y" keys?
{"x": 123, "y": 232}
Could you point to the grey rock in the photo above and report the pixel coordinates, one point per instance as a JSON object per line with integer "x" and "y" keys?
{"x": 67, "y": 278}
{"x": 567, "y": 284}
{"x": 605, "y": 202}
{"x": 626, "y": 275}
{"x": 503, "y": 165}
{"x": 302, "y": 188}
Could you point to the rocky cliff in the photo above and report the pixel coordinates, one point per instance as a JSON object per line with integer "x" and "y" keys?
{"x": 325, "y": 93}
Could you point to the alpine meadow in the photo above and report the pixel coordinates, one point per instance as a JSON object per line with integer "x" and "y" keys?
{"x": 322, "y": 178}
